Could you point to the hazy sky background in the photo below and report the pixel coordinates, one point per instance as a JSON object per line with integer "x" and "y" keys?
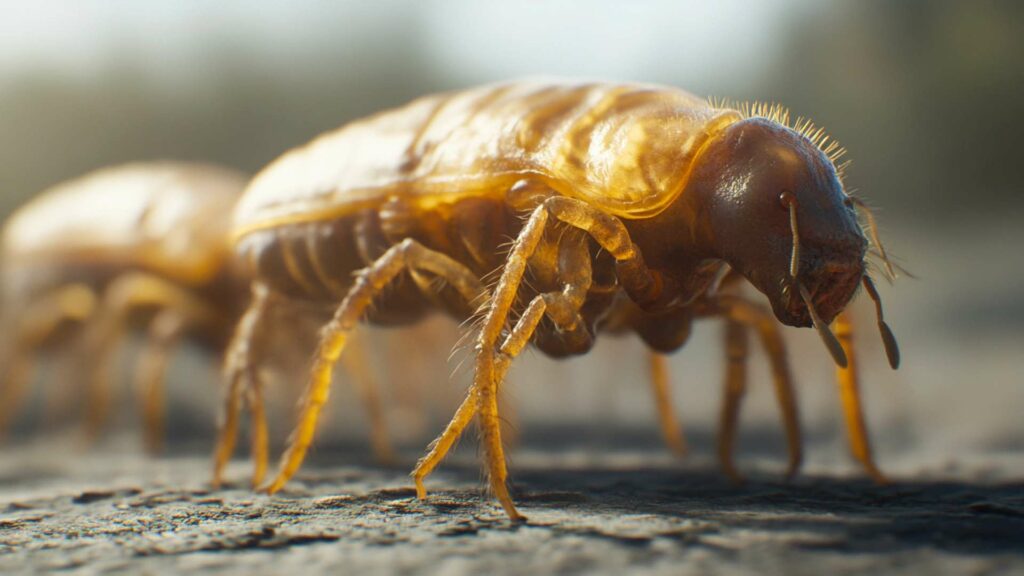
{"x": 927, "y": 95}
{"x": 702, "y": 38}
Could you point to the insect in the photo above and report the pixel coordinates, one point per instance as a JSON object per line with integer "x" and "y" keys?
{"x": 623, "y": 201}
{"x": 140, "y": 244}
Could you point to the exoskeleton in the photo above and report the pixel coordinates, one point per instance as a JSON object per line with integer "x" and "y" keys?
{"x": 626, "y": 205}
{"x": 140, "y": 246}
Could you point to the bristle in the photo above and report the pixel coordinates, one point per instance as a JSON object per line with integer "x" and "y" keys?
{"x": 841, "y": 168}
{"x": 804, "y": 126}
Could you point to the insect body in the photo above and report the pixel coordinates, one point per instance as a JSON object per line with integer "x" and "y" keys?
{"x": 626, "y": 202}
{"x": 140, "y": 244}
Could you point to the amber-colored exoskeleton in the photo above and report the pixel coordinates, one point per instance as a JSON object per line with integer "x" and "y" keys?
{"x": 141, "y": 245}
{"x": 622, "y": 202}
{"x": 145, "y": 247}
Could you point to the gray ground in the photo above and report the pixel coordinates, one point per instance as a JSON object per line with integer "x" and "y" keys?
{"x": 116, "y": 512}
{"x": 599, "y": 491}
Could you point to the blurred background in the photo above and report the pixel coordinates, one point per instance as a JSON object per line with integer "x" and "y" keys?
{"x": 927, "y": 96}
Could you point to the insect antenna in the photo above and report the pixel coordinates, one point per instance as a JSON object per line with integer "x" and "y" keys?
{"x": 826, "y": 335}
{"x": 873, "y": 231}
{"x": 794, "y": 261}
{"x": 899, "y": 268}
{"x": 892, "y": 350}
{"x": 824, "y": 332}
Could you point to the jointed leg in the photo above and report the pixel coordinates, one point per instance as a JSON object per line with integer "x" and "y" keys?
{"x": 671, "y": 431}
{"x": 367, "y": 386}
{"x": 737, "y": 348}
{"x": 562, "y": 308}
{"x": 636, "y": 279}
{"x": 751, "y": 315}
{"x": 849, "y": 390}
{"x": 242, "y": 378}
{"x": 165, "y": 332}
{"x": 514, "y": 343}
{"x": 124, "y": 296}
{"x": 35, "y": 325}
{"x": 368, "y": 284}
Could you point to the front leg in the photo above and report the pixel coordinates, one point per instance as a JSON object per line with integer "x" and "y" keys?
{"x": 737, "y": 348}
{"x": 849, "y": 391}
{"x": 642, "y": 284}
{"x": 741, "y": 314}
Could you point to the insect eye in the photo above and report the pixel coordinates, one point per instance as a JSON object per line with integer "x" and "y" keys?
{"x": 848, "y": 202}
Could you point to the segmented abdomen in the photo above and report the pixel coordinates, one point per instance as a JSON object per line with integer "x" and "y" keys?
{"x": 316, "y": 261}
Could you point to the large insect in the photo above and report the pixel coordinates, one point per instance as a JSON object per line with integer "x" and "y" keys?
{"x": 625, "y": 203}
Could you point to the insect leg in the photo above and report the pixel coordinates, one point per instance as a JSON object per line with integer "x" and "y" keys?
{"x": 369, "y": 283}
{"x": 751, "y": 315}
{"x": 513, "y": 345}
{"x": 849, "y": 391}
{"x": 241, "y": 375}
{"x": 165, "y": 331}
{"x": 643, "y": 285}
{"x": 671, "y": 431}
{"x": 367, "y": 386}
{"x": 737, "y": 348}
{"x": 125, "y": 295}
{"x": 562, "y": 308}
{"x": 33, "y": 327}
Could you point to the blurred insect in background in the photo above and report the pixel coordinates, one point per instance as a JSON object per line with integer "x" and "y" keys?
{"x": 139, "y": 245}
{"x": 135, "y": 247}
{"x": 617, "y": 196}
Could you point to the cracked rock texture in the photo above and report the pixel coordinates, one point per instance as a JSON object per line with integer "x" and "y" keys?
{"x": 113, "y": 511}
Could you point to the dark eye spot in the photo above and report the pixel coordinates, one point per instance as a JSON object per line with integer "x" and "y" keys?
{"x": 786, "y": 198}
{"x": 848, "y": 202}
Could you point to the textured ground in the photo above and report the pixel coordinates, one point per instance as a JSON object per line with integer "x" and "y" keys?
{"x": 599, "y": 492}
{"x": 112, "y": 512}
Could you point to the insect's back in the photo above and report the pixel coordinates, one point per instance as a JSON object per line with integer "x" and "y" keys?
{"x": 625, "y": 148}
{"x": 168, "y": 218}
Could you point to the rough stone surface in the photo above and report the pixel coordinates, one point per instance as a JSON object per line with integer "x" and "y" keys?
{"x": 113, "y": 511}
